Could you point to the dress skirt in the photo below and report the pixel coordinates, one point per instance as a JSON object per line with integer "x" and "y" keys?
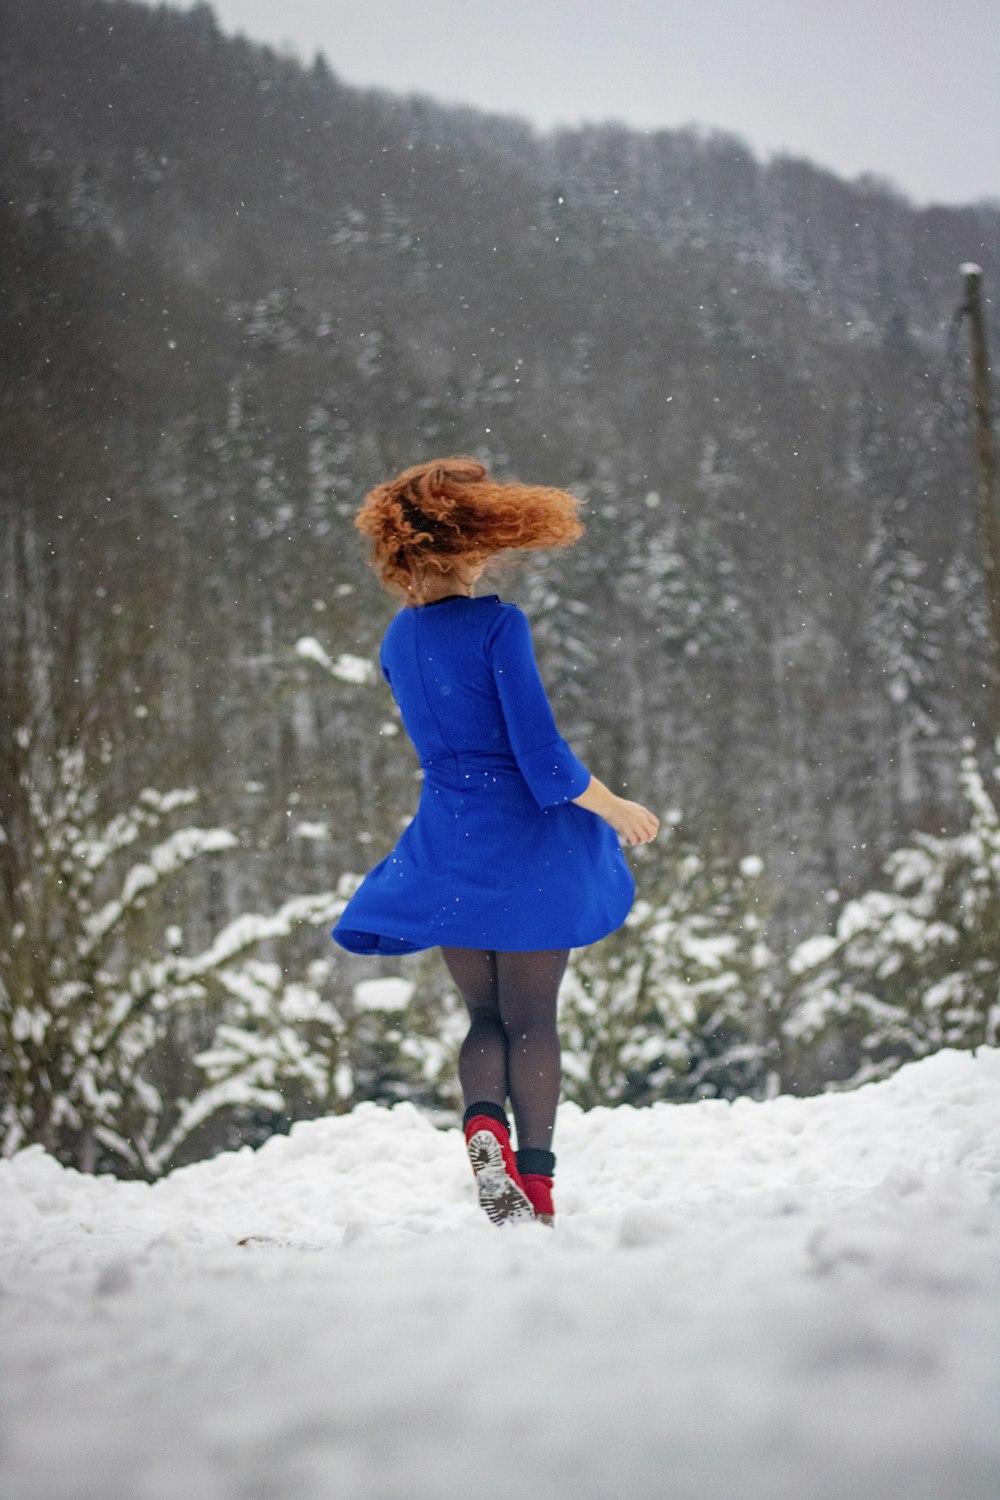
{"x": 497, "y": 857}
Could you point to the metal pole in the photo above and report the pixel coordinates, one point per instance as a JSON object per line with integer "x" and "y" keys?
{"x": 989, "y": 502}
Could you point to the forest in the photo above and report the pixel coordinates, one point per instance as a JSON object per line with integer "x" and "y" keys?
{"x": 236, "y": 293}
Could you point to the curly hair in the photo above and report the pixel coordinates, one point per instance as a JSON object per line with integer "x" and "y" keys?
{"x": 449, "y": 510}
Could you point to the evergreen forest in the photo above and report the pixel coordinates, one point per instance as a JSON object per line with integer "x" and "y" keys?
{"x": 236, "y": 293}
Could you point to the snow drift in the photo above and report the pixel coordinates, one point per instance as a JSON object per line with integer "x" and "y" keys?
{"x": 794, "y": 1300}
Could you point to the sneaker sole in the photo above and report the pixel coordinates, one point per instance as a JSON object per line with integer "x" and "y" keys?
{"x": 500, "y": 1198}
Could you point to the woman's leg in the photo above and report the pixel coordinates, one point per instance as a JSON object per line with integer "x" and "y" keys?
{"x": 527, "y": 995}
{"x": 482, "y": 1066}
{"x": 512, "y": 1047}
{"x": 482, "y": 1062}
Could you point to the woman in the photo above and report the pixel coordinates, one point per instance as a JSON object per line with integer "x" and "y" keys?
{"x": 513, "y": 857}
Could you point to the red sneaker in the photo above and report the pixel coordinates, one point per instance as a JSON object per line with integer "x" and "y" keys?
{"x": 539, "y": 1191}
{"x": 501, "y": 1192}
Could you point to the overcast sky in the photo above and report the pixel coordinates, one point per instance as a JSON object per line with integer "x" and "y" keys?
{"x": 906, "y": 89}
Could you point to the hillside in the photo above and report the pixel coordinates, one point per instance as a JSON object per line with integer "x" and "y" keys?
{"x": 237, "y": 292}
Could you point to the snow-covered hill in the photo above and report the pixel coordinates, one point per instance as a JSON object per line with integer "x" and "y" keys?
{"x": 795, "y": 1300}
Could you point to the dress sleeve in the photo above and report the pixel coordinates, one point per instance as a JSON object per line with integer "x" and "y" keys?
{"x": 548, "y": 765}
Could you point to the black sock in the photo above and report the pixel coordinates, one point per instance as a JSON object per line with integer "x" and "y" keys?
{"x": 490, "y": 1110}
{"x": 536, "y": 1162}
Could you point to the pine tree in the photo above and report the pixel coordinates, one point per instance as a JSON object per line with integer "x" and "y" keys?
{"x": 99, "y": 1005}
{"x": 911, "y": 968}
{"x": 677, "y": 1004}
{"x": 903, "y": 622}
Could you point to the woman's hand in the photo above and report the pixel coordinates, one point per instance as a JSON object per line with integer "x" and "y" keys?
{"x": 633, "y": 823}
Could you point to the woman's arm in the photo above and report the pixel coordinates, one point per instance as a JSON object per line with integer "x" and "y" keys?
{"x": 633, "y": 823}
{"x": 547, "y": 763}
{"x": 553, "y": 773}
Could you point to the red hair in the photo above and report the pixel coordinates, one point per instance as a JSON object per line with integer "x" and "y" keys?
{"x": 449, "y": 511}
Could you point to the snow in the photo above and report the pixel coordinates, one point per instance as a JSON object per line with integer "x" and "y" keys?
{"x": 383, "y": 994}
{"x": 252, "y": 928}
{"x": 791, "y": 1300}
{"x": 182, "y": 848}
{"x": 347, "y": 667}
{"x": 811, "y": 953}
{"x": 317, "y": 832}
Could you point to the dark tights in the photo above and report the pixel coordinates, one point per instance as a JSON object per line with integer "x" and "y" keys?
{"x": 512, "y": 1049}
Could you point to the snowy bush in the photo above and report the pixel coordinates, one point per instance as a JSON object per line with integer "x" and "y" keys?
{"x": 677, "y": 1003}
{"x": 98, "y": 1002}
{"x": 911, "y": 969}
{"x": 121, "y": 1039}
{"x": 386, "y": 1039}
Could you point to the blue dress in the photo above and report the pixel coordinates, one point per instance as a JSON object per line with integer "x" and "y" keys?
{"x": 497, "y": 856}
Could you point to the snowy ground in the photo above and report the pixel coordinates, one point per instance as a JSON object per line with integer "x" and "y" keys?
{"x": 787, "y": 1301}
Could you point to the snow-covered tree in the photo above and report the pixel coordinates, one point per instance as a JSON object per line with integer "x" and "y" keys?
{"x": 677, "y": 1003}
{"x": 387, "y": 1038}
{"x": 910, "y": 969}
{"x": 971, "y": 657}
{"x": 101, "y": 1007}
{"x": 903, "y": 622}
